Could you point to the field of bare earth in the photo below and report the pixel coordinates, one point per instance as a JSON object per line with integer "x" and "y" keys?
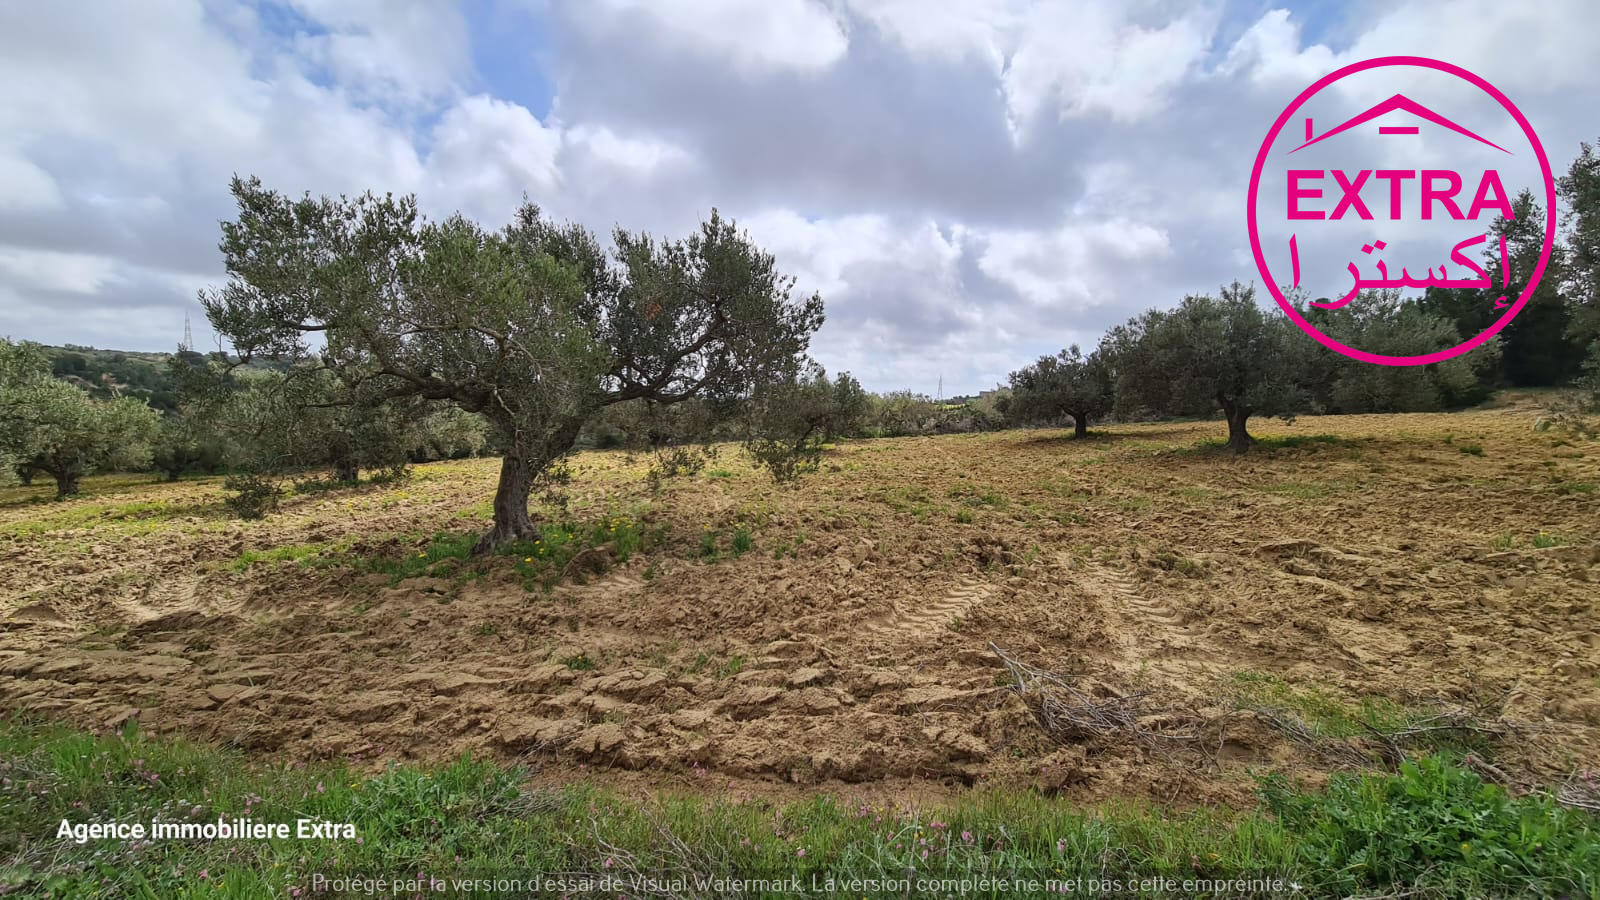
{"x": 1357, "y": 586}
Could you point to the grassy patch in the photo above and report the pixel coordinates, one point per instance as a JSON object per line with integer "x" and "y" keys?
{"x": 1434, "y": 829}
{"x": 314, "y": 553}
{"x": 1544, "y": 540}
{"x": 1330, "y": 717}
{"x": 1304, "y": 490}
{"x": 139, "y": 517}
{"x": 1275, "y": 442}
{"x": 538, "y": 561}
{"x": 1574, "y": 487}
{"x": 1291, "y": 441}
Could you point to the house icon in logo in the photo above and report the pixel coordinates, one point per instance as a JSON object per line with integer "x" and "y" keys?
{"x": 1397, "y": 103}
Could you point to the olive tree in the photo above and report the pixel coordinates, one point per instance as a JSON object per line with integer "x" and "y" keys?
{"x": 533, "y": 326}
{"x": 50, "y": 426}
{"x": 186, "y": 443}
{"x": 1211, "y": 353}
{"x": 1067, "y": 384}
{"x": 789, "y": 420}
{"x": 1381, "y": 321}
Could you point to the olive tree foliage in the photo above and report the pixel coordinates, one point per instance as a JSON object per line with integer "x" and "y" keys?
{"x": 1382, "y": 322}
{"x": 901, "y": 413}
{"x": 185, "y": 444}
{"x": 1578, "y": 411}
{"x": 1068, "y": 384}
{"x": 449, "y": 432}
{"x": 50, "y": 426}
{"x": 790, "y": 420}
{"x": 1210, "y": 353}
{"x": 533, "y": 326}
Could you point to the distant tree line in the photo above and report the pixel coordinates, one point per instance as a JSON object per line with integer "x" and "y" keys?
{"x": 1225, "y": 354}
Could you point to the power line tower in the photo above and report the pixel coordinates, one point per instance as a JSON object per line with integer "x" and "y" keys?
{"x": 188, "y": 334}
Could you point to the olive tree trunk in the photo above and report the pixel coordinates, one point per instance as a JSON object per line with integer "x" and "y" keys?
{"x": 511, "y": 519}
{"x": 519, "y": 468}
{"x": 1239, "y": 439}
{"x": 1080, "y": 426}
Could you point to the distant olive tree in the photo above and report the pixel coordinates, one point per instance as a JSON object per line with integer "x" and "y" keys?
{"x": 533, "y": 326}
{"x": 790, "y": 420}
{"x": 1211, "y": 353}
{"x": 449, "y": 432}
{"x": 50, "y": 426}
{"x": 1067, "y": 384}
{"x": 1381, "y": 321}
{"x": 186, "y": 443}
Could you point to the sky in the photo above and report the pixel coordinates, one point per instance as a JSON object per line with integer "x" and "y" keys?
{"x": 967, "y": 184}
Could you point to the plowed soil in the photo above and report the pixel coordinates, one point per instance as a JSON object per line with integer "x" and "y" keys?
{"x": 1447, "y": 558}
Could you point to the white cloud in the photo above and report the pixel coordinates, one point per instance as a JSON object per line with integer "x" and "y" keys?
{"x": 408, "y": 51}
{"x": 74, "y": 273}
{"x": 486, "y": 154}
{"x": 1070, "y": 268}
{"x": 638, "y": 156}
{"x": 770, "y": 35}
{"x": 24, "y": 185}
{"x": 985, "y": 28}
{"x": 968, "y": 184}
{"x": 1096, "y": 59}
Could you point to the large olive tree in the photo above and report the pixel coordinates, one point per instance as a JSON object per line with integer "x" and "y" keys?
{"x": 534, "y": 326}
{"x": 1223, "y": 352}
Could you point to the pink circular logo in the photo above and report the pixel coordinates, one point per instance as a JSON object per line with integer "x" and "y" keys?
{"x": 1442, "y": 195}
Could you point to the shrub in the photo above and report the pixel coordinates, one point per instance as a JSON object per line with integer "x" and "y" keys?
{"x": 254, "y": 495}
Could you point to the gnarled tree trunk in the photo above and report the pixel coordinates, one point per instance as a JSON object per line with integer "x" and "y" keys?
{"x": 1080, "y": 426}
{"x": 1239, "y": 439}
{"x": 66, "y": 483}
{"x": 511, "y": 519}
{"x": 346, "y": 470}
{"x": 518, "y": 469}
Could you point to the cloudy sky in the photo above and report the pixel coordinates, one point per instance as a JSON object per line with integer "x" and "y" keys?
{"x": 968, "y": 184}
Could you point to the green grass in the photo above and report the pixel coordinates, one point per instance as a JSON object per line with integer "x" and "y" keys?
{"x": 1329, "y": 717}
{"x": 1434, "y": 829}
{"x": 1304, "y": 490}
{"x": 138, "y": 517}
{"x": 1273, "y": 442}
{"x": 1544, "y": 540}
{"x": 1575, "y": 487}
{"x": 538, "y": 561}
{"x": 1471, "y": 449}
{"x": 314, "y": 553}
{"x": 1291, "y": 441}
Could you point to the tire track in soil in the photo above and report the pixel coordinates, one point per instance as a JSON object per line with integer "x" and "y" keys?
{"x": 1152, "y": 627}
{"x": 931, "y": 619}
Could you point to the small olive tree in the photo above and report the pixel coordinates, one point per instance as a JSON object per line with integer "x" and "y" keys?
{"x": 50, "y": 426}
{"x": 1210, "y": 353}
{"x": 790, "y": 420}
{"x": 534, "y": 326}
{"x": 1067, "y": 384}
